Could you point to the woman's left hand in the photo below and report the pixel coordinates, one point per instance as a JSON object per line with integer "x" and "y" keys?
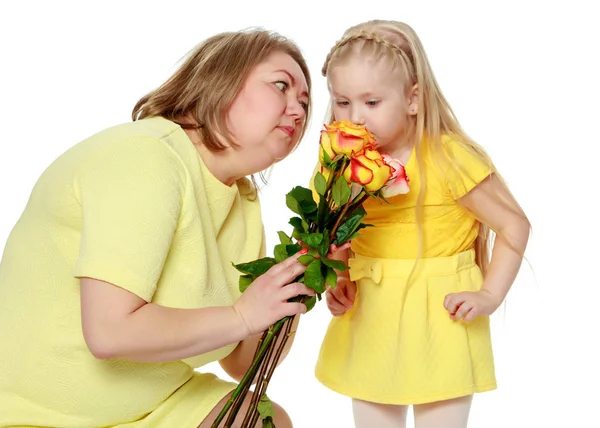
{"x": 468, "y": 304}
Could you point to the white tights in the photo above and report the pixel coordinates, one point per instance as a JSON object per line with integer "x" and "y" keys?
{"x": 452, "y": 413}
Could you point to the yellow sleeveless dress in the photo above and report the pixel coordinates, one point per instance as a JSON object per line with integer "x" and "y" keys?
{"x": 398, "y": 345}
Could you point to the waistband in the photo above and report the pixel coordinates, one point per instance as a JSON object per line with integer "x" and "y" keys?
{"x": 367, "y": 267}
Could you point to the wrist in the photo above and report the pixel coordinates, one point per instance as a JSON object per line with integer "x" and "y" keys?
{"x": 241, "y": 324}
{"x": 494, "y": 297}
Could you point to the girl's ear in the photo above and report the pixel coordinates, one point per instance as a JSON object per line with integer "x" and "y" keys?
{"x": 413, "y": 100}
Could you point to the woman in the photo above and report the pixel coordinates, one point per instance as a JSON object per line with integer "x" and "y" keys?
{"x": 116, "y": 282}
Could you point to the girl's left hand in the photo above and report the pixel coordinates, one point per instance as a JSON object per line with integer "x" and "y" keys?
{"x": 468, "y": 304}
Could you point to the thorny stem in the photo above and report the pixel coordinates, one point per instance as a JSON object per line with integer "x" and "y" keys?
{"x": 265, "y": 383}
{"x": 261, "y": 373}
{"x": 244, "y": 384}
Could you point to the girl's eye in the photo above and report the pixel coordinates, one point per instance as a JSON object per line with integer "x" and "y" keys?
{"x": 304, "y": 105}
{"x": 372, "y": 103}
{"x": 282, "y": 85}
{"x": 342, "y": 103}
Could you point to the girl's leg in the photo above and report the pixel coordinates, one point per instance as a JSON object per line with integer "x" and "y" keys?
{"x": 371, "y": 415}
{"x": 452, "y": 413}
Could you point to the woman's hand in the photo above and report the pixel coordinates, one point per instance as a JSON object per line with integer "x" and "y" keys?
{"x": 265, "y": 301}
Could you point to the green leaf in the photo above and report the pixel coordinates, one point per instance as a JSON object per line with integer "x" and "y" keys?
{"x": 297, "y": 234}
{"x": 310, "y": 303}
{"x": 312, "y": 239}
{"x": 280, "y": 253}
{"x": 323, "y": 247}
{"x": 335, "y": 264}
{"x": 305, "y": 200}
{"x": 256, "y": 267}
{"x": 331, "y": 277}
{"x": 326, "y": 158}
{"x": 268, "y": 423}
{"x": 298, "y": 223}
{"x": 349, "y": 226}
{"x": 265, "y": 407}
{"x": 305, "y": 259}
{"x": 244, "y": 282}
{"x": 292, "y": 249}
{"x": 283, "y": 238}
{"x": 341, "y": 191}
{"x": 313, "y": 278}
{"x": 320, "y": 183}
{"x": 293, "y": 204}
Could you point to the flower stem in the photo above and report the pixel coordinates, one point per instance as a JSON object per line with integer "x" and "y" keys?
{"x": 262, "y": 386}
{"x": 244, "y": 384}
{"x": 261, "y": 373}
{"x": 339, "y": 219}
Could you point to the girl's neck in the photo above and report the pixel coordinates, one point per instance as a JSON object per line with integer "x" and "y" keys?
{"x": 400, "y": 150}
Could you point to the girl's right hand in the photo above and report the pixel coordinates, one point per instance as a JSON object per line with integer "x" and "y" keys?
{"x": 265, "y": 301}
{"x": 341, "y": 298}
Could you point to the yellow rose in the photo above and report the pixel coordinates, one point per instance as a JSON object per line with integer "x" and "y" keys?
{"x": 325, "y": 147}
{"x": 350, "y": 128}
{"x": 369, "y": 170}
{"x": 346, "y": 138}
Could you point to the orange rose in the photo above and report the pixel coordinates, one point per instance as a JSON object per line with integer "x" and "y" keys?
{"x": 325, "y": 147}
{"x": 350, "y": 128}
{"x": 345, "y": 138}
{"x": 369, "y": 170}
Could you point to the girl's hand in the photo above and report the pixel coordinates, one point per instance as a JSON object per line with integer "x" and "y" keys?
{"x": 468, "y": 304}
{"x": 341, "y": 298}
{"x": 265, "y": 301}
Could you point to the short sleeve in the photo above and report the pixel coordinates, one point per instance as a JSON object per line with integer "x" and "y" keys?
{"x": 467, "y": 169}
{"x": 131, "y": 194}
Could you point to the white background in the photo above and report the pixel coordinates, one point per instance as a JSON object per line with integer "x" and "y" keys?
{"x": 521, "y": 76}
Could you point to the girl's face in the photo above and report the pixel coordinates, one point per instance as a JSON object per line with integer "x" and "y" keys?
{"x": 267, "y": 115}
{"x": 367, "y": 91}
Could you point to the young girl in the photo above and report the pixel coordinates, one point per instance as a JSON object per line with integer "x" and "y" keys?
{"x": 411, "y": 323}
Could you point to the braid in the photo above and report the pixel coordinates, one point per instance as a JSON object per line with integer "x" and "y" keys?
{"x": 369, "y": 37}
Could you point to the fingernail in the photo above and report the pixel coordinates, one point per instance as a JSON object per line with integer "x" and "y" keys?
{"x": 334, "y": 247}
{"x": 330, "y": 256}
{"x": 304, "y": 251}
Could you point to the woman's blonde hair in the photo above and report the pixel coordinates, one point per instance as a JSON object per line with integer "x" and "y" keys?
{"x": 209, "y": 79}
{"x": 398, "y": 43}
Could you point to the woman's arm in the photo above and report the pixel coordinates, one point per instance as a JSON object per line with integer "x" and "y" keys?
{"x": 119, "y": 324}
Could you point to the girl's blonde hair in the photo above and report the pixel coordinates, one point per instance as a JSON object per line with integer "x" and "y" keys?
{"x": 398, "y": 43}
{"x": 209, "y": 79}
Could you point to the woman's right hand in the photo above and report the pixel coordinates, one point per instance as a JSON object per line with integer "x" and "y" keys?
{"x": 265, "y": 301}
{"x": 341, "y": 298}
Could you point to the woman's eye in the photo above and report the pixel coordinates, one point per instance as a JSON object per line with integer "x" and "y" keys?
{"x": 281, "y": 85}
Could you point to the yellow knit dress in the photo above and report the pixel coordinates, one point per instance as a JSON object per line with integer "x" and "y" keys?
{"x": 135, "y": 206}
{"x": 398, "y": 345}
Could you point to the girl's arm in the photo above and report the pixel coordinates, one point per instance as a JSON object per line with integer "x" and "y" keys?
{"x": 492, "y": 204}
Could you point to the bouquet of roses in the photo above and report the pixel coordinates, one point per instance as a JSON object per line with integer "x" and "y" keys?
{"x": 351, "y": 171}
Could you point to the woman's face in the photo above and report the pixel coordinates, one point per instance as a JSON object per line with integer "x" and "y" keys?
{"x": 266, "y": 117}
